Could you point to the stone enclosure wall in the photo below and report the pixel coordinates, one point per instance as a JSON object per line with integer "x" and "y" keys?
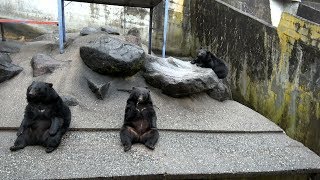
{"x": 274, "y": 71}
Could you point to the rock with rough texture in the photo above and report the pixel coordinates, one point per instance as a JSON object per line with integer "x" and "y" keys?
{"x": 133, "y": 39}
{"x": 5, "y": 57}
{"x": 10, "y": 46}
{"x": 88, "y": 30}
{"x": 43, "y": 64}
{"x": 110, "y": 30}
{"x": 8, "y": 70}
{"x": 70, "y": 100}
{"x": 178, "y": 78}
{"x": 134, "y": 32}
{"x": 112, "y": 56}
{"x": 99, "y": 89}
{"x": 221, "y": 92}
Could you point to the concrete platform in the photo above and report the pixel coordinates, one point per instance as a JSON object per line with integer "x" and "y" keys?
{"x": 179, "y": 155}
{"x": 197, "y": 113}
{"x": 199, "y": 137}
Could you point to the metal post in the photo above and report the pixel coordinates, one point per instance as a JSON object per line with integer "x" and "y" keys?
{"x": 150, "y": 31}
{"x": 165, "y": 28}
{"x": 2, "y": 32}
{"x": 63, "y": 22}
{"x": 60, "y": 19}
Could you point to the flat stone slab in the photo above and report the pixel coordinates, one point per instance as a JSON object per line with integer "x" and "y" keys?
{"x": 100, "y": 154}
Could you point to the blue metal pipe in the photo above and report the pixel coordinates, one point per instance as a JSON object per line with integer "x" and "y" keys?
{"x": 60, "y": 19}
{"x": 165, "y": 28}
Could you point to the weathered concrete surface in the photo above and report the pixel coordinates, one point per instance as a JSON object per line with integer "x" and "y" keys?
{"x": 274, "y": 71}
{"x": 314, "y": 4}
{"x": 257, "y": 8}
{"x": 309, "y": 13}
{"x": 198, "y": 112}
{"x": 100, "y": 154}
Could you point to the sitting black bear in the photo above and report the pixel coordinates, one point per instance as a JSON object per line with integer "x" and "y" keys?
{"x": 208, "y": 60}
{"x": 139, "y": 120}
{"x": 46, "y": 118}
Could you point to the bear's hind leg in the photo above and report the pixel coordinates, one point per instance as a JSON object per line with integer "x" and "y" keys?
{"x": 52, "y": 142}
{"x": 21, "y": 141}
{"x": 150, "y": 138}
{"x": 127, "y": 136}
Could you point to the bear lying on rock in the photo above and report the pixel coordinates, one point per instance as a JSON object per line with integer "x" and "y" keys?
{"x": 139, "y": 120}
{"x": 208, "y": 60}
{"x": 46, "y": 118}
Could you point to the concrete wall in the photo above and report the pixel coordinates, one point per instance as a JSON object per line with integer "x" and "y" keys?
{"x": 309, "y": 13}
{"x": 257, "y": 8}
{"x": 276, "y": 71}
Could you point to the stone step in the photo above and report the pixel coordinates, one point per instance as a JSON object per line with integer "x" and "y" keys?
{"x": 177, "y": 155}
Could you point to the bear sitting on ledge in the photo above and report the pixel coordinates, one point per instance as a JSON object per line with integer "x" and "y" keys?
{"x": 140, "y": 120}
{"x": 46, "y": 118}
{"x": 206, "y": 59}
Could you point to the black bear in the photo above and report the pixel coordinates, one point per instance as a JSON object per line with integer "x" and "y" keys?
{"x": 139, "y": 120}
{"x": 208, "y": 60}
{"x": 46, "y": 118}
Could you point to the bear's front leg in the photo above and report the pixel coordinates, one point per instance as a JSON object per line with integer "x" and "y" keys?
{"x": 22, "y": 127}
{"x": 56, "y": 124}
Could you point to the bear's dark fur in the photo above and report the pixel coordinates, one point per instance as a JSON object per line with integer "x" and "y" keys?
{"x": 208, "y": 60}
{"x": 46, "y": 118}
{"x": 139, "y": 120}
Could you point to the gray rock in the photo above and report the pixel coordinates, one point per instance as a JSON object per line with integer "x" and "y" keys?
{"x": 178, "y": 78}
{"x": 133, "y": 39}
{"x": 5, "y": 57}
{"x": 10, "y": 46}
{"x": 112, "y": 56}
{"x": 8, "y": 70}
{"x": 221, "y": 92}
{"x": 99, "y": 89}
{"x": 110, "y": 30}
{"x": 134, "y": 36}
{"x": 70, "y": 100}
{"x": 134, "y": 32}
{"x": 43, "y": 64}
{"x": 88, "y": 30}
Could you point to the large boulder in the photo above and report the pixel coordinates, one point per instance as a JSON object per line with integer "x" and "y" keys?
{"x": 43, "y": 64}
{"x": 112, "y": 56}
{"x": 88, "y": 30}
{"x": 110, "y": 30}
{"x": 8, "y": 70}
{"x": 179, "y": 78}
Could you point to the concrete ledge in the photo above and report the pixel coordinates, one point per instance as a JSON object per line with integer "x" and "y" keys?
{"x": 179, "y": 155}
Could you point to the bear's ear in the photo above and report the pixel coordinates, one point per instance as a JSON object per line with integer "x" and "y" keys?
{"x": 50, "y": 84}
